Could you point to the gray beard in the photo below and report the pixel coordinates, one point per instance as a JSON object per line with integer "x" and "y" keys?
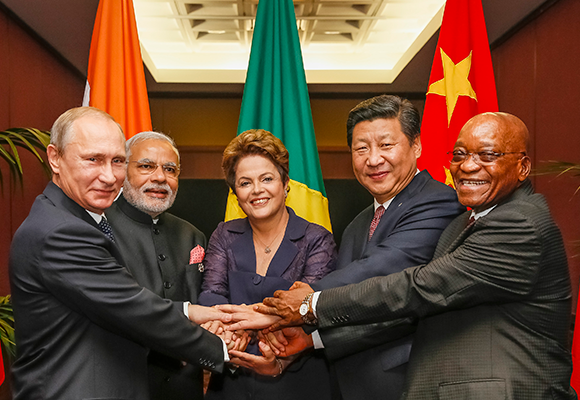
{"x": 152, "y": 206}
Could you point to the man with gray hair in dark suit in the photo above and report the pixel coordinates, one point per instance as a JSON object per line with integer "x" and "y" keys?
{"x": 163, "y": 252}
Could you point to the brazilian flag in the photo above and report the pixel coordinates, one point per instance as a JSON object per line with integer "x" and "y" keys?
{"x": 276, "y": 99}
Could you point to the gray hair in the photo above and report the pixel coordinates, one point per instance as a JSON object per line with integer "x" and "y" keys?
{"x": 150, "y": 135}
{"x": 62, "y": 129}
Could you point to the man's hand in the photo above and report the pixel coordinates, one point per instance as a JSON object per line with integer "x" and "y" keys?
{"x": 245, "y": 317}
{"x": 288, "y": 341}
{"x": 201, "y": 315}
{"x": 267, "y": 364}
{"x": 286, "y": 304}
{"x": 238, "y": 339}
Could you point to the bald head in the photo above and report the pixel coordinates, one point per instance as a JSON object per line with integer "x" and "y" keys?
{"x": 496, "y": 164}
{"x": 512, "y": 129}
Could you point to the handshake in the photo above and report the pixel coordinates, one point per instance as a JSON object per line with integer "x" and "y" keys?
{"x": 272, "y": 323}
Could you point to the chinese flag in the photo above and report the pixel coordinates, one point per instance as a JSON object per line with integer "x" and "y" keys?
{"x": 461, "y": 84}
{"x": 115, "y": 79}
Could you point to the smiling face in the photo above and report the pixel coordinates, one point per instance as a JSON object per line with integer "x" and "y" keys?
{"x": 382, "y": 159}
{"x": 154, "y": 193}
{"x": 482, "y": 186}
{"x": 259, "y": 188}
{"x": 91, "y": 168}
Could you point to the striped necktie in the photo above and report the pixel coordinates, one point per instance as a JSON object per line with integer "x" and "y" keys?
{"x": 376, "y": 219}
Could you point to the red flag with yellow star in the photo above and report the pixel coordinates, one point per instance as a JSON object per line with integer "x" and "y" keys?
{"x": 461, "y": 84}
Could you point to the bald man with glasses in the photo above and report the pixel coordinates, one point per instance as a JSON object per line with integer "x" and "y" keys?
{"x": 163, "y": 252}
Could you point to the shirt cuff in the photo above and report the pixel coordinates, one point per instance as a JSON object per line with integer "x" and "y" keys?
{"x": 224, "y": 346}
{"x": 317, "y": 340}
{"x": 226, "y": 355}
{"x": 314, "y": 302}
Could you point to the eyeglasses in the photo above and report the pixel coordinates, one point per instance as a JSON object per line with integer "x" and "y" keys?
{"x": 148, "y": 168}
{"x": 480, "y": 157}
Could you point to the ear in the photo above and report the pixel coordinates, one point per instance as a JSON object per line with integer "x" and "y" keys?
{"x": 53, "y": 158}
{"x": 525, "y": 166}
{"x": 417, "y": 147}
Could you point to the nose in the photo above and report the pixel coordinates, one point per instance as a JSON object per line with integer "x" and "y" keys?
{"x": 257, "y": 187}
{"x": 469, "y": 165}
{"x": 108, "y": 174}
{"x": 158, "y": 175}
{"x": 374, "y": 158}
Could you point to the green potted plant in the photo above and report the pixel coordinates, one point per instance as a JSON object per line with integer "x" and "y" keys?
{"x": 29, "y": 139}
{"x": 12, "y": 142}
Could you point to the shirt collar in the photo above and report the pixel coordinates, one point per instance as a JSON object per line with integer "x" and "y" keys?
{"x": 482, "y": 213}
{"x": 96, "y": 217}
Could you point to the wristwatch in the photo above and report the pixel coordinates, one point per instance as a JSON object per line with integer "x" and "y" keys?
{"x": 306, "y": 311}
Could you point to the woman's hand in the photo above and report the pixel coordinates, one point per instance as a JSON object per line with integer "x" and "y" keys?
{"x": 245, "y": 317}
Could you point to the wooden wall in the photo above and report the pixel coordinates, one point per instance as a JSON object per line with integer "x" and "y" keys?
{"x": 35, "y": 88}
{"x": 538, "y": 79}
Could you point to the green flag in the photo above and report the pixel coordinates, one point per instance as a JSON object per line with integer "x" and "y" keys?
{"x": 276, "y": 99}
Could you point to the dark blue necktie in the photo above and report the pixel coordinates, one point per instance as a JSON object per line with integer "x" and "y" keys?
{"x": 106, "y": 228}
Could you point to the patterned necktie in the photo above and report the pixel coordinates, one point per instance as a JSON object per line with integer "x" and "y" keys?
{"x": 106, "y": 228}
{"x": 376, "y": 219}
{"x": 471, "y": 221}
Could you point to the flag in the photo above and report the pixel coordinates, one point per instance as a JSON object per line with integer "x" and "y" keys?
{"x": 115, "y": 79}
{"x": 276, "y": 99}
{"x": 1, "y": 367}
{"x": 575, "y": 379}
{"x": 461, "y": 84}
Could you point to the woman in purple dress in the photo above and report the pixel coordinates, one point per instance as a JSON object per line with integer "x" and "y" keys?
{"x": 248, "y": 259}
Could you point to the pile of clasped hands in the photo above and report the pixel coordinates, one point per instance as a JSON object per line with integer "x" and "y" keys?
{"x": 274, "y": 323}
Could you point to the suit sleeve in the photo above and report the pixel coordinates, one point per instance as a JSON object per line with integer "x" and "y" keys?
{"x": 412, "y": 241}
{"x": 498, "y": 262}
{"x": 83, "y": 274}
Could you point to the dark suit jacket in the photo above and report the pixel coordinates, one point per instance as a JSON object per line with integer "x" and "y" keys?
{"x": 406, "y": 236}
{"x": 307, "y": 253}
{"x": 157, "y": 255}
{"x": 493, "y": 308}
{"x": 83, "y": 325}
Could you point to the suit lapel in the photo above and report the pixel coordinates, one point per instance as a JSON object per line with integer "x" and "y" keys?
{"x": 397, "y": 208}
{"x": 243, "y": 246}
{"x": 62, "y": 201}
{"x": 457, "y": 232}
{"x": 287, "y": 251}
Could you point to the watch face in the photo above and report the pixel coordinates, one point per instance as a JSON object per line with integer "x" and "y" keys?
{"x": 303, "y": 309}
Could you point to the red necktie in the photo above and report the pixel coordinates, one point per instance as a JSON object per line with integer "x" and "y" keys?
{"x": 470, "y": 222}
{"x": 376, "y": 219}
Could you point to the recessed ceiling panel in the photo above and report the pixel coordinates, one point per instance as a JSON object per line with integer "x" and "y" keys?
{"x": 343, "y": 41}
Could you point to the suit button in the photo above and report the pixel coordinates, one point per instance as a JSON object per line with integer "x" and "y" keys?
{"x": 257, "y": 279}
{"x": 156, "y": 231}
{"x": 161, "y": 257}
{"x": 167, "y": 285}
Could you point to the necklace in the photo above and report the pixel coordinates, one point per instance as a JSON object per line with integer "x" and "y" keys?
{"x": 267, "y": 249}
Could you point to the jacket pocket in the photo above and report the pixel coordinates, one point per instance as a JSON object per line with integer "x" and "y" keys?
{"x": 482, "y": 389}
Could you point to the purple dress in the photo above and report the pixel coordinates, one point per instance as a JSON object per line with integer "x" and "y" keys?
{"x": 307, "y": 253}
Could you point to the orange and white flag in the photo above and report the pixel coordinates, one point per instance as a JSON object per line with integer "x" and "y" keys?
{"x": 461, "y": 84}
{"x": 115, "y": 78}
